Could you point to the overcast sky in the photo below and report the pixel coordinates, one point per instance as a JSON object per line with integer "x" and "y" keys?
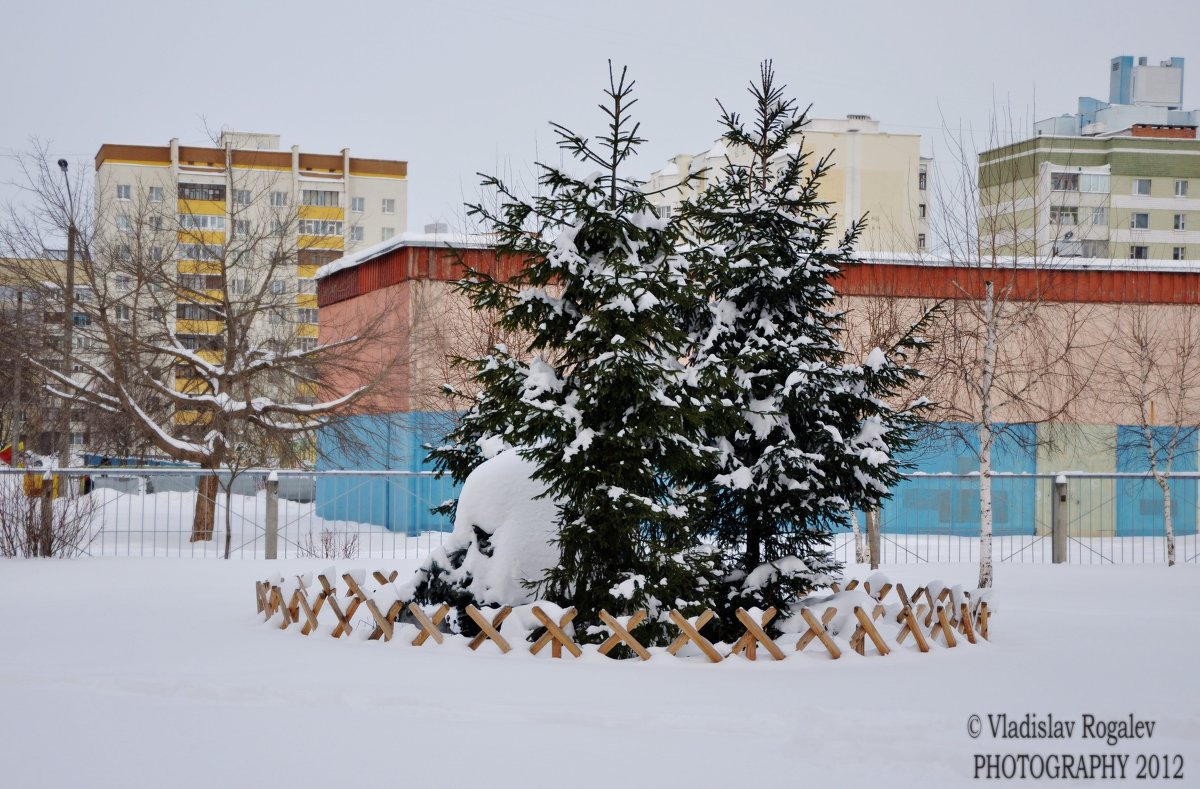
{"x": 460, "y": 87}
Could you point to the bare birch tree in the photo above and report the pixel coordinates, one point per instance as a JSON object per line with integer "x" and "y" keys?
{"x": 188, "y": 325}
{"x": 1015, "y": 350}
{"x": 1152, "y": 372}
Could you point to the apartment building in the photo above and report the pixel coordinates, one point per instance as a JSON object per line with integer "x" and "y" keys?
{"x": 1118, "y": 179}
{"x": 235, "y": 221}
{"x": 876, "y": 173}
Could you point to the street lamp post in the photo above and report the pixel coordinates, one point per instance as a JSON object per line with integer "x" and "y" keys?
{"x": 64, "y": 438}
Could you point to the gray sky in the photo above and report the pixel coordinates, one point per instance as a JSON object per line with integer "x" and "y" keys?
{"x": 460, "y": 87}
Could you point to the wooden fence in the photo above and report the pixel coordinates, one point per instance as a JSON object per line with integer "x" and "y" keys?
{"x": 930, "y": 614}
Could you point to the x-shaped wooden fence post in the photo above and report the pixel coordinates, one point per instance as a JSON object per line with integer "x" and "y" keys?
{"x": 688, "y": 632}
{"x": 817, "y": 630}
{"x": 909, "y": 622}
{"x": 755, "y": 635}
{"x": 429, "y": 627}
{"x": 329, "y": 590}
{"x": 555, "y": 634}
{"x": 983, "y": 620}
{"x": 384, "y": 622}
{"x": 622, "y": 634}
{"x": 489, "y": 630}
{"x": 866, "y": 627}
{"x": 942, "y": 625}
{"x": 310, "y": 611}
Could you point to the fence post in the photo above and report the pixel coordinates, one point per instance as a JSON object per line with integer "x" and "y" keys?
{"x": 1058, "y": 520}
{"x": 46, "y": 536}
{"x": 873, "y": 546}
{"x": 272, "y": 546}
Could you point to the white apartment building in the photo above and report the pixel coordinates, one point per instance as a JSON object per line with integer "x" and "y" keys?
{"x": 876, "y": 173}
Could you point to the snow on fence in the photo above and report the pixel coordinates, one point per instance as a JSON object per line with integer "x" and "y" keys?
{"x": 848, "y": 618}
{"x": 1108, "y": 518}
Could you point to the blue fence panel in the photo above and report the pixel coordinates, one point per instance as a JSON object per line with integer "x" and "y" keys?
{"x": 1140, "y": 501}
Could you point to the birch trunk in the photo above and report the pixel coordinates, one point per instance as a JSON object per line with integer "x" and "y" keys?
{"x": 986, "y": 437}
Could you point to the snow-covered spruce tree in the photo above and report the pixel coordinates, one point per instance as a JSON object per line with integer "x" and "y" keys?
{"x": 814, "y": 433}
{"x": 603, "y": 406}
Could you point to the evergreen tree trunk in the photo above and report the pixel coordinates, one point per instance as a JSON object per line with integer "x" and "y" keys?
{"x": 205, "y": 514}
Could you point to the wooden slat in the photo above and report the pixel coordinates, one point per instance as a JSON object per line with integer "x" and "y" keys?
{"x": 689, "y": 633}
{"x": 489, "y": 630}
{"x": 556, "y": 632}
{"x": 622, "y": 634}
{"x": 428, "y": 626}
{"x": 817, "y": 630}
{"x": 756, "y": 635}
{"x": 868, "y": 626}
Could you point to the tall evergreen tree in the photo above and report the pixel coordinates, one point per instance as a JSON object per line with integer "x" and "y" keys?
{"x": 814, "y": 434}
{"x": 605, "y": 408}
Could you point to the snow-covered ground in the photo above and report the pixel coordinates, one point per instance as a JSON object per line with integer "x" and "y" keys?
{"x": 153, "y": 672}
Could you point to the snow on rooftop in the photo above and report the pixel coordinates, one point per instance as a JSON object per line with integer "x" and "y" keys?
{"x": 1045, "y": 263}
{"x": 443, "y": 240}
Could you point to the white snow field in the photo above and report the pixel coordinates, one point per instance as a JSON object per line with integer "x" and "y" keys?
{"x": 159, "y": 673}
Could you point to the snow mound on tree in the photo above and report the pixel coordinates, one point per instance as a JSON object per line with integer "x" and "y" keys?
{"x": 501, "y": 537}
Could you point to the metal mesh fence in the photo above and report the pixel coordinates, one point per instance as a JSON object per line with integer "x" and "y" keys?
{"x": 1110, "y": 518}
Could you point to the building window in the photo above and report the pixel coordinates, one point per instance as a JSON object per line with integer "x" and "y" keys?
{"x": 156, "y": 194}
{"x": 122, "y": 312}
{"x": 239, "y": 286}
{"x": 200, "y": 282}
{"x": 358, "y": 204}
{"x": 279, "y": 199}
{"x": 202, "y": 192}
{"x": 1141, "y": 186}
{"x": 921, "y": 210}
{"x": 1100, "y": 216}
{"x": 241, "y": 196}
{"x": 1139, "y": 221}
{"x": 1178, "y": 253}
{"x": 389, "y": 205}
{"x": 321, "y": 197}
{"x": 1064, "y": 182}
{"x": 278, "y": 287}
{"x": 124, "y": 192}
{"x": 386, "y": 233}
{"x": 307, "y": 343}
{"x": 356, "y": 234}
{"x": 123, "y": 282}
{"x": 1094, "y": 183}
{"x": 197, "y": 312}
{"x": 922, "y": 180}
{"x": 241, "y": 227}
{"x": 78, "y": 439}
{"x": 320, "y": 227}
{"x": 156, "y": 222}
{"x": 277, "y": 317}
{"x": 198, "y": 252}
{"x": 1064, "y": 215}
{"x": 1093, "y": 249}
{"x": 920, "y": 240}
{"x": 201, "y": 222}
{"x": 278, "y": 226}
{"x": 1181, "y": 190}
{"x": 1181, "y": 221}
{"x": 1139, "y": 253}
{"x": 306, "y": 315}
{"x": 156, "y": 254}
{"x": 306, "y": 286}
{"x": 124, "y": 224}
